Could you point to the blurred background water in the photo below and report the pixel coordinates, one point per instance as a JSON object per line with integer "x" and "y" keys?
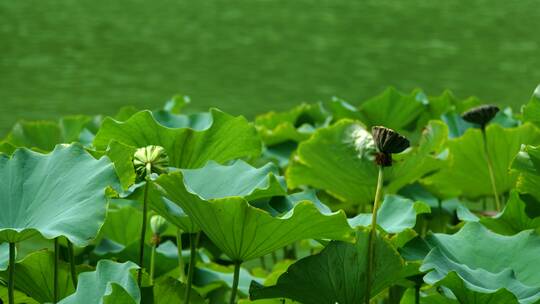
{"x": 62, "y": 57}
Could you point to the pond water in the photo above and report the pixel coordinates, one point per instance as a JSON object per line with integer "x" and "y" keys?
{"x": 62, "y": 57}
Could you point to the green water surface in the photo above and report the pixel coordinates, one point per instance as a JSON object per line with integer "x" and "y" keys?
{"x": 62, "y": 57}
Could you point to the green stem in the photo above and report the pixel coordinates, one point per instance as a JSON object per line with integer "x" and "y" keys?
{"x": 417, "y": 294}
{"x": 11, "y": 277}
{"x": 55, "y": 276}
{"x": 373, "y": 235}
{"x": 236, "y": 280}
{"x": 152, "y": 260}
{"x": 263, "y": 263}
{"x": 193, "y": 242}
{"x": 181, "y": 264}
{"x": 491, "y": 173}
{"x": 143, "y": 232}
{"x": 73, "y": 270}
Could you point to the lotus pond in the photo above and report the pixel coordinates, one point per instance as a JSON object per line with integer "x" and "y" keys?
{"x": 407, "y": 198}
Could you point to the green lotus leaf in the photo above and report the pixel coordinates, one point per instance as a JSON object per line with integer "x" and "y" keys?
{"x": 477, "y": 261}
{"x": 56, "y": 194}
{"x": 436, "y": 298}
{"x": 419, "y": 161}
{"x": 282, "y": 204}
{"x": 196, "y": 121}
{"x": 4, "y": 256}
{"x": 465, "y": 295}
{"x": 393, "y": 109}
{"x": 466, "y": 172}
{"x": 169, "y": 290}
{"x": 45, "y": 135}
{"x": 111, "y": 282}
{"x": 341, "y": 109}
{"x": 163, "y": 263}
{"x": 337, "y": 160}
{"x": 214, "y": 273}
{"x": 395, "y": 215}
{"x": 227, "y": 138}
{"x": 34, "y": 277}
{"x": 247, "y": 182}
{"x": 531, "y": 111}
{"x": 19, "y": 297}
{"x": 336, "y": 275}
{"x": 527, "y": 164}
{"x": 296, "y": 124}
{"x": 122, "y": 226}
{"x": 244, "y": 232}
{"x": 457, "y": 126}
{"x": 518, "y": 215}
{"x": 165, "y": 206}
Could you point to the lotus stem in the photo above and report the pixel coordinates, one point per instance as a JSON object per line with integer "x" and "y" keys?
{"x": 263, "y": 263}
{"x": 73, "y": 270}
{"x": 55, "y": 275}
{"x": 417, "y": 293}
{"x": 491, "y": 173}
{"x": 236, "y": 280}
{"x": 11, "y": 275}
{"x": 143, "y": 231}
{"x": 373, "y": 235}
{"x": 152, "y": 261}
{"x": 181, "y": 264}
{"x": 193, "y": 242}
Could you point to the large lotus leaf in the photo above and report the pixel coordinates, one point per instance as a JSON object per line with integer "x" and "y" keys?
{"x": 419, "y": 161}
{"x": 244, "y": 232}
{"x": 248, "y": 182}
{"x": 341, "y": 109}
{"x": 527, "y": 164}
{"x": 237, "y": 179}
{"x": 296, "y": 124}
{"x": 518, "y": 215}
{"x": 45, "y": 135}
{"x": 465, "y": 295}
{"x": 531, "y": 111}
{"x": 434, "y": 298}
{"x": 169, "y": 291}
{"x": 337, "y": 160}
{"x": 283, "y": 204}
{"x": 214, "y": 273}
{"x": 196, "y": 121}
{"x": 122, "y": 228}
{"x": 61, "y": 193}
{"x": 485, "y": 262}
{"x": 395, "y": 215}
{"x": 164, "y": 205}
{"x": 163, "y": 263}
{"x": 393, "y": 109}
{"x": 466, "y": 172}
{"x": 33, "y": 276}
{"x": 109, "y": 281}
{"x": 19, "y": 297}
{"x": 227, "y": 138}
{"x": 337, "y": 274}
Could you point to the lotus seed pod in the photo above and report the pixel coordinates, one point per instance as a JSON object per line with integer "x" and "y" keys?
{"x": 150, "y": 159}
{"x": 158, "y": 224}
{"x": 481, "y": 115}
{"x": 388, "y": 142}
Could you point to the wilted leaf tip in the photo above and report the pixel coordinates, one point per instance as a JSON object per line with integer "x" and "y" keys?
{"x": 388, "y": 142}
{"x": 481, "y": 115}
